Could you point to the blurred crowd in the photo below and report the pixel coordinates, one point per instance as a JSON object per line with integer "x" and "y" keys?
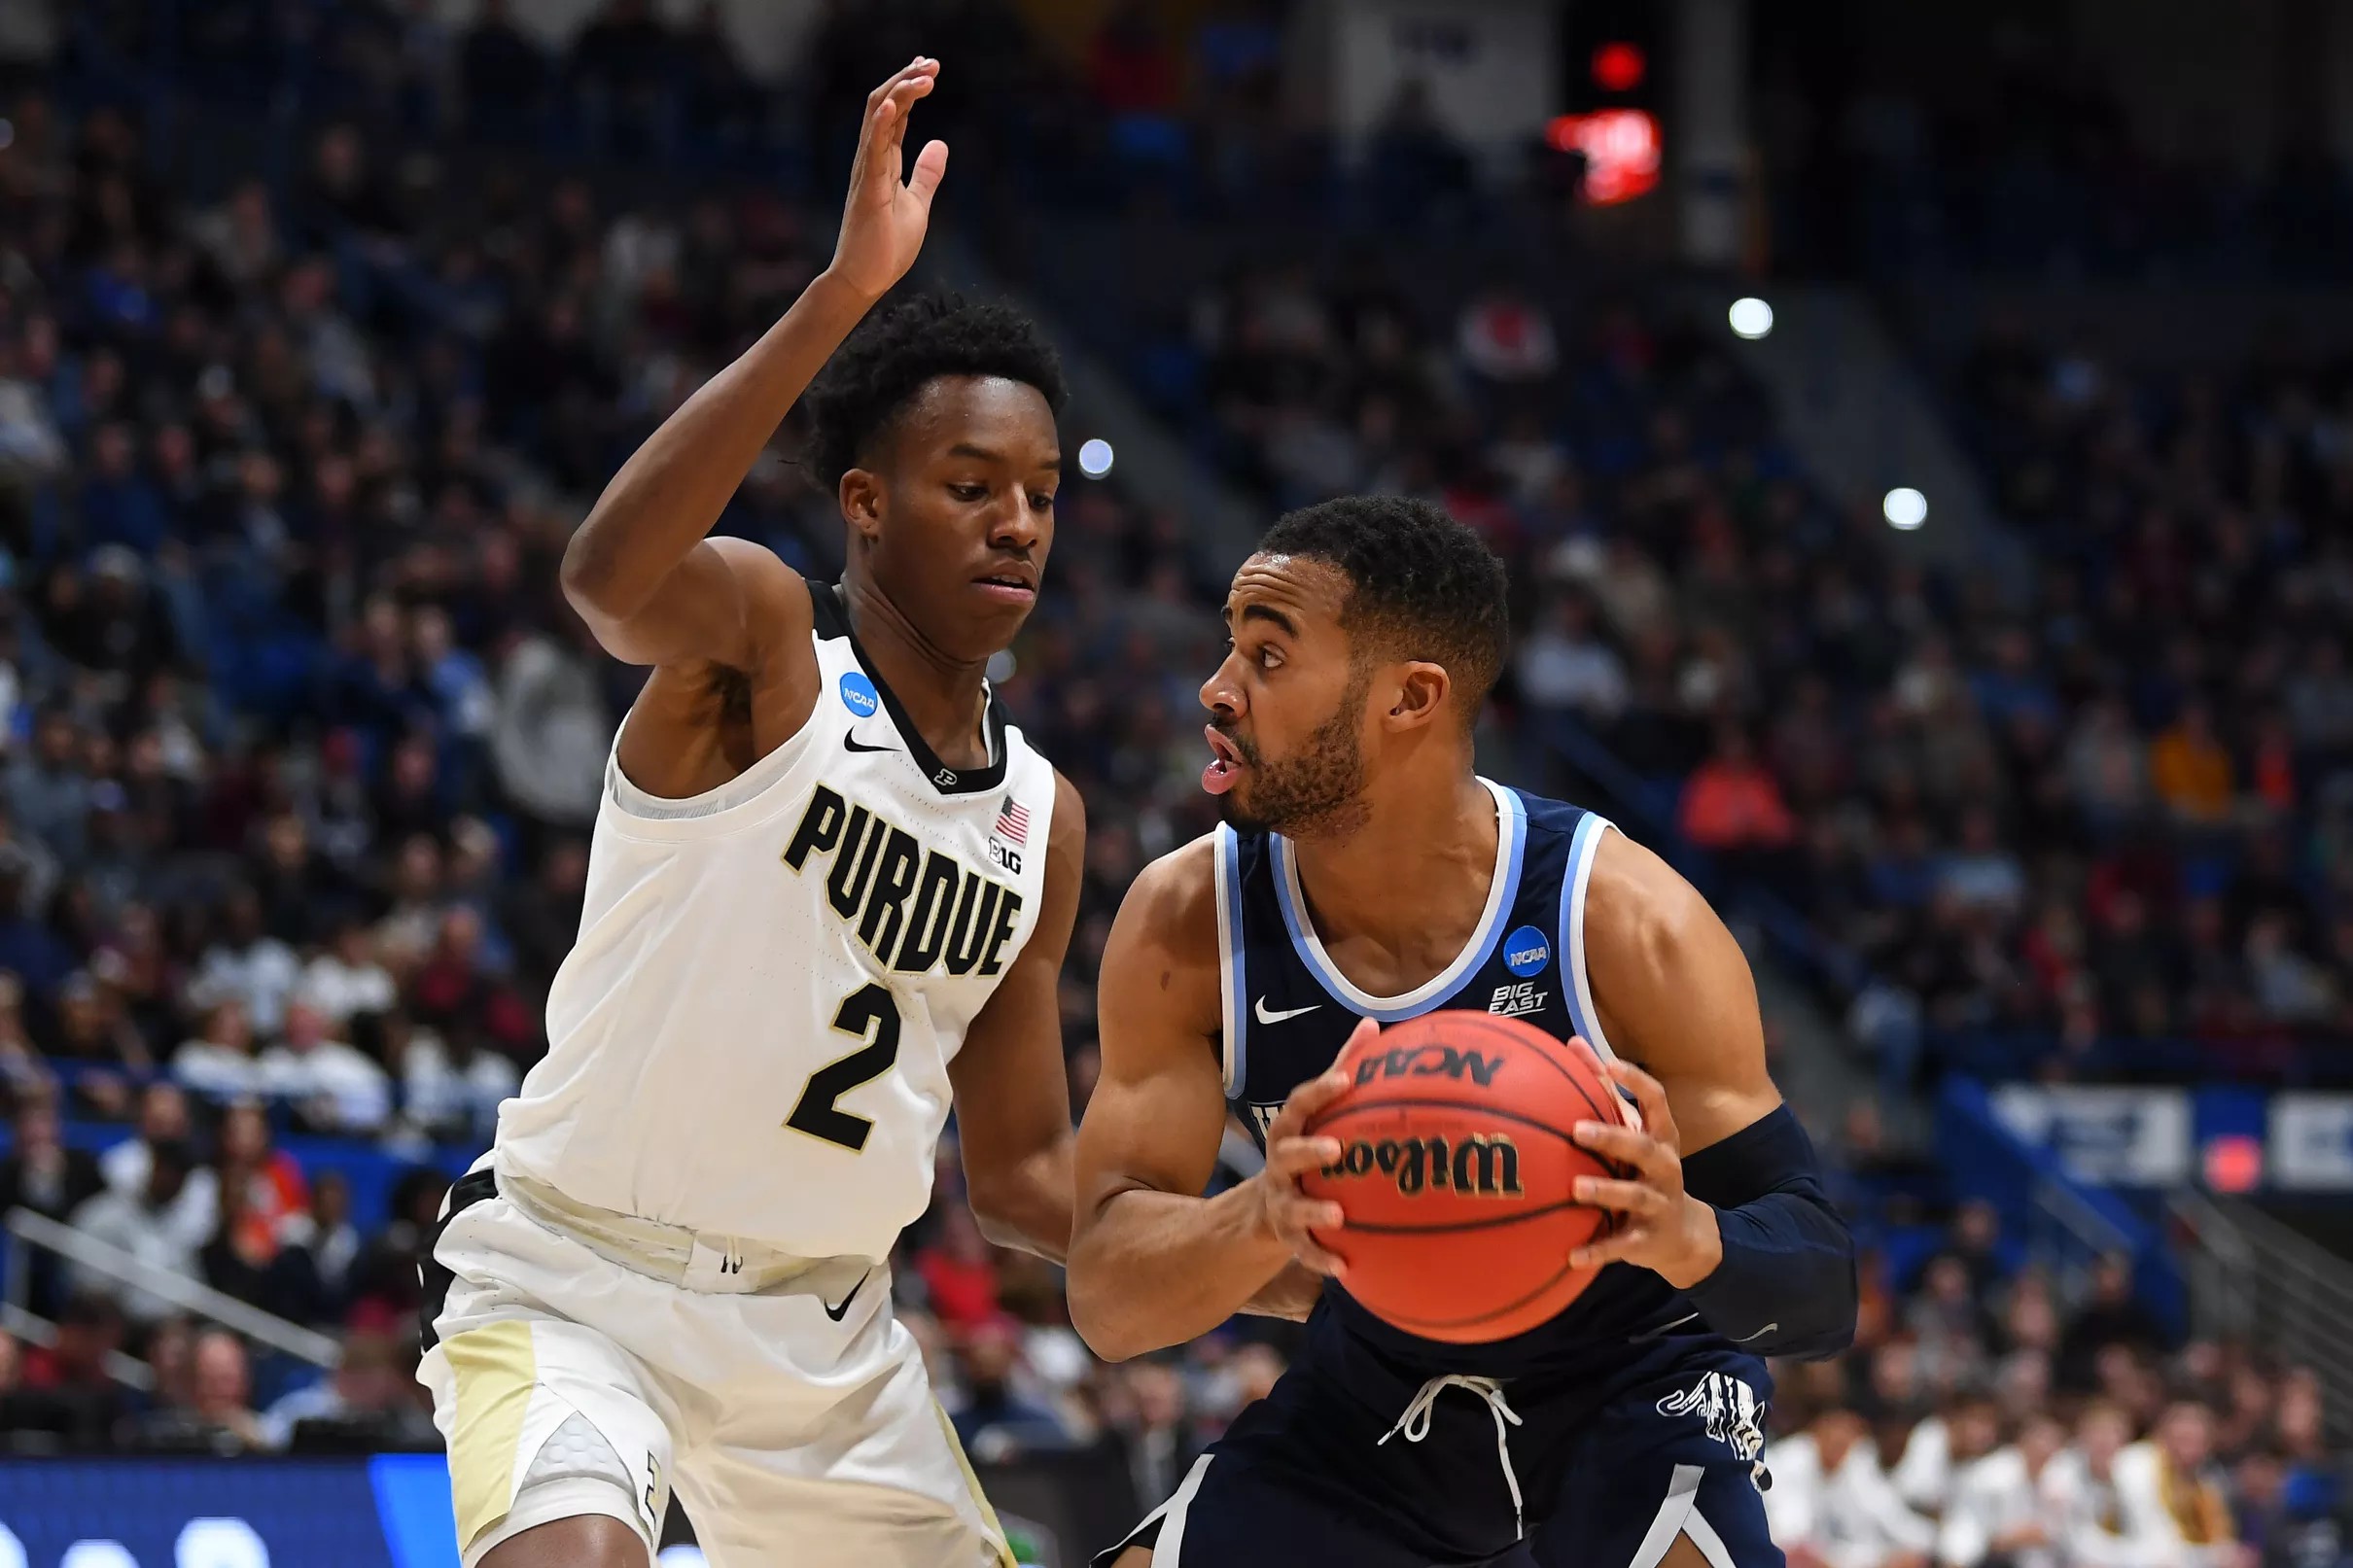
{"x": 1992, "y": 1415}
{"x": 299, "y": 743}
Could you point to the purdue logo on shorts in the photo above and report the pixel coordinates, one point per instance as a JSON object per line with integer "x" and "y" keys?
{"x": 1485, "y": 1165}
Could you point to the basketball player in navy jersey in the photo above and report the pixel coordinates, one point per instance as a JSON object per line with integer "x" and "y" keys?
{"x": 1366, "y": 875}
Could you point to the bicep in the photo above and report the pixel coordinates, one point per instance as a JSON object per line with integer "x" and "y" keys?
{"x": 723, "y": 602}
{"x": 1675, "y": 994}
{"x": 1012, "y": 1094}
{"x": 1159, "y": 1108}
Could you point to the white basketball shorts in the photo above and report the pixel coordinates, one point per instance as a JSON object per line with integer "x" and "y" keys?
{"x": 585, "y": 1369}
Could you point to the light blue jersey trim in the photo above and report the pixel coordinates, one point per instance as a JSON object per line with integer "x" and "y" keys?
{"x": 1504, "y": 892}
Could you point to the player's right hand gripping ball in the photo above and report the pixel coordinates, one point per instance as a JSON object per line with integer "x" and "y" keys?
{"x": 1455, "y": 1168}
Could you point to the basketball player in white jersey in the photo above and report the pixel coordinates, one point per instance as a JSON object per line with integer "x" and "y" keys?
{"x": 828, "y": 894}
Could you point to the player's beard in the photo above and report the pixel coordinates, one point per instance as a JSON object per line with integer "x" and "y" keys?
{"x": 1316, "y": 792}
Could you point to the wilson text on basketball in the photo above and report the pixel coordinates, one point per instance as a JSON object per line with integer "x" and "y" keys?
{"x": 1484, "y": 1165}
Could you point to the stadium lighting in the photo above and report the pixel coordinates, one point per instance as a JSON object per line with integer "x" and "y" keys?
{"x": 1095, "y": 457}
{"x": 1751, "y": 318}
{"x": 1905, "y": 507}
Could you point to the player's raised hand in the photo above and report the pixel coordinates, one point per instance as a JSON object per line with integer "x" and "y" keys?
{"x": 1291, "y": 1152}
{"x": 1665, "y": 1228}
{"x": 884, "y": 220}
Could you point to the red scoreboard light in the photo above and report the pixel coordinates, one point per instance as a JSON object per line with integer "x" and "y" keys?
{"x": 1621, "y": 149}
{"x": 1618, "y": 68}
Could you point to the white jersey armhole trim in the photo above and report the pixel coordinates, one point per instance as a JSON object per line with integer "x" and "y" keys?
{"x": 1231, "y": 988}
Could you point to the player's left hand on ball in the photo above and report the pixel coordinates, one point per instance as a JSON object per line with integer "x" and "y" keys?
{"x": 1661, "y": 1227}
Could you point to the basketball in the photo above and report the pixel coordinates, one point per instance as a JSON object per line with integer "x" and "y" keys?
{"x": 1455, "y": 1169}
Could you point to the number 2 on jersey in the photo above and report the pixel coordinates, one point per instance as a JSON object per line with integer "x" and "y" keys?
{"x": 869, "y": 1013}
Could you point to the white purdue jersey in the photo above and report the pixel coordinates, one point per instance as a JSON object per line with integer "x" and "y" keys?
{"x": 752, "y": 1036}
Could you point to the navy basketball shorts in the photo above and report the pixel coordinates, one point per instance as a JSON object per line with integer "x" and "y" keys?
{"x": 1351, "y": 1462}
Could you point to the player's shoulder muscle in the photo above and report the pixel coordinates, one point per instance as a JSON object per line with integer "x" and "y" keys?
{"x": 779, "y": 617}
{"x": 1666, "y": 975}
{"x": 1160, "y": 965}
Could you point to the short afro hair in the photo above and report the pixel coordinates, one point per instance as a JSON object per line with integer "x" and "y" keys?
{"x": 893, "y": 354}
{"x": 1420, "y": 584}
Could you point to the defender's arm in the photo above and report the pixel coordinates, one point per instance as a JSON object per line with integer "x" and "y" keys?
{"x": 1012, "y": 1095}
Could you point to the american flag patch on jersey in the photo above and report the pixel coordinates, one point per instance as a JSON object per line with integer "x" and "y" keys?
{"x": 1012, "y": 823}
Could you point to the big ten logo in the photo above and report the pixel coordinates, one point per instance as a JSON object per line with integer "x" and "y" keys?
{"x": 201, "y": 1544}
{"x": 1482, "y": 1164}
{"x": 1429, "y": 1062}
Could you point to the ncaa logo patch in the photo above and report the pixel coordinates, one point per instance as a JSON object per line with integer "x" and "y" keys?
{"x": 858, "y": 694}
{"x": 1525, "y": 951}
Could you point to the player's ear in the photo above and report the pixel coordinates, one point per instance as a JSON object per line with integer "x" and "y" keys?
{"x": 1422, "y": 688}
{"x": 861, "y": 497}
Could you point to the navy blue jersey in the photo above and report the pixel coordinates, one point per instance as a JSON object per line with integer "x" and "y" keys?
{"x": 1288, "y": 1011}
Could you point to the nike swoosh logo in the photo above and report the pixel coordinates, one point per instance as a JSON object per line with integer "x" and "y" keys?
{"x": 1744, "y": 1339}
{"x": 835, "y": 1312}
{"x": 849, "y": 743}
{"x": 1661, "y": 1331}
{"x": 1265, "y": 1017}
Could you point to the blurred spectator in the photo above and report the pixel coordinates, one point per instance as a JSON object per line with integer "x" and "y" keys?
{"x": 2000, "y": 1515}
{"x": 552, "y": 731}
{"x": 1831, "y": 1505}
{"x": 43, "y": 1175}
{"x": 958, "y": 1272}
{"x": 1161, "y": 1444}
{"x": 1506, "y": 337}
{"x": 1942, "y": 1446}
{"x": 2172, "y": 1499}
{"x": 40, "y": 1172}
{"x": 452, "y": 1085}
{"x": 312, "y": 1278}
{"x": 219, "y": 1416}
{"x": 370, "y": 1392}
{"x": 247, "y": 965}
{"x": 219, "y": 1062}
{"x": 347, "y": 979}
{"x": 146, "y": 1228}
{"x": 69, "y": 1390}
{"x": 2112, "y": 1315}
{"x": 331, "y": 1086}
{"x": 1563, "y": 665}
{"x": 2189, "y": 769}
{"x": 994, "y": 1423}
{"x": 1731, "y": 802}
{"x": 165, "y": 1120}
{"x": 270, "y": 1187}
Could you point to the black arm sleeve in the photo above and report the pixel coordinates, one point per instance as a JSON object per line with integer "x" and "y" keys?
{"x": 1786, "y": 1286}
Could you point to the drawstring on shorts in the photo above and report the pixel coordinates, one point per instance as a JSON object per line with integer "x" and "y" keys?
{"x": 1415, "y": 1424}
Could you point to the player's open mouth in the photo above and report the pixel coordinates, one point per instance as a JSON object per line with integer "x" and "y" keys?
{"x": 1004, "y": 585}
{"x": 1226, "y": 768}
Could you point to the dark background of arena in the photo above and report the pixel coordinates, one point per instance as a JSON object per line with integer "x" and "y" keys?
{"x": 322, "y": 323}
